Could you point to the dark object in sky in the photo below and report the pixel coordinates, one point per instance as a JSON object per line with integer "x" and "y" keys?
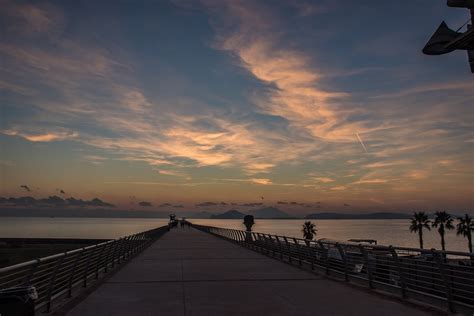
{"x": 445, "y": 40}
{"x": 437, "y": 45}
{"x": 24, "y": 186}
{"x": 461, "y": 3}
{"x": 145, "y": 204}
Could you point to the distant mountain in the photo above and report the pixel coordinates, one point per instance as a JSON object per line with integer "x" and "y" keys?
{"x": 232, "y": 214}
{"x": 269, "y": 212}
{"x": 358, "y": 216}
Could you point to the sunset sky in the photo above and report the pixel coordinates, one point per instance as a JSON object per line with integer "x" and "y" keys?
{"x": 188, "y": 102}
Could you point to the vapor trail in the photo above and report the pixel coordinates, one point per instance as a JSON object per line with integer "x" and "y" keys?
{"x": 361, "y": 142}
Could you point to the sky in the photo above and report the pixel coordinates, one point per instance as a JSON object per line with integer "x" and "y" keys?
{"x": 163, "y": 105}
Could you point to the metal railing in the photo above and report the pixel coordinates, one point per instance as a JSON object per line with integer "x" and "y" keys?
{"x": 60, "y": 274}
{"x": 432, "y": 276}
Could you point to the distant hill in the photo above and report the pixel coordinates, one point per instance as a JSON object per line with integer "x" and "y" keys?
{"x": 232, "y": 214}
{"x": 358, "y": 216}
{"x": 269, "y": 212}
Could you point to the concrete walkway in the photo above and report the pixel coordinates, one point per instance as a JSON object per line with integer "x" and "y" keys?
{"x": 188, "y": 272}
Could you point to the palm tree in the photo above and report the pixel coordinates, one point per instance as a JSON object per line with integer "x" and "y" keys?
{"x": 465, "y": 227}
{"x": 309, "y": 231}
{"x": 443, "y": 221}
{"x": 418, "y": 222}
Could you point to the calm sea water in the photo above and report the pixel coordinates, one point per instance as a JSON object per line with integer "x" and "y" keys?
{"x": 386, "y": 232}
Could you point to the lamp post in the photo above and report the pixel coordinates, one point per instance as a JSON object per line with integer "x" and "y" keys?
{"x": 445, "y": 40}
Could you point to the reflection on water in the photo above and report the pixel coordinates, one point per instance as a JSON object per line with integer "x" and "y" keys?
{"x": 386, "y": 232}
{"x": 94, "y": 228}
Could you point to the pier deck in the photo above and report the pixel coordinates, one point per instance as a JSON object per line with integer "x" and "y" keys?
{"x": 188, "y": 272}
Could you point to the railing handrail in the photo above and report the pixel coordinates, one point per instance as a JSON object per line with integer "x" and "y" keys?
{"x": 355, "y": 244}
{"x": 60, "y": 273}
{"x": 440, "y": 277}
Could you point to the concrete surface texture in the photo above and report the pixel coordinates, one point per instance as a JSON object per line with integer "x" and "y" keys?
{"x": 188, "y": 272}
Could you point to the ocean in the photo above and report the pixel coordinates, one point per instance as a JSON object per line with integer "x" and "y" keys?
{"x": 387, "y": 232}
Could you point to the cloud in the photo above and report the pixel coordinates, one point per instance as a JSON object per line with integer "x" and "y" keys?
{"x": 282, "y": 203}
{"x": 251, "y": 204}
{"x": 296, "y": 204}
{"x": 261, "y": 181}
{"x": 53, "y": 201}
{"x": 145, "y": 204}
{"x": 165, "y": 205}
{"x": 25, "y": 187}
{"x": 294, "y": 91}
{"x": 178, "y": 206}
{"x": 431, "y": 87}
{"x": 94, "y": 202}
{"x": 173, "y": 173}
{"x": 323, "y": 179}
{"x": 45, "y": 137}
{"x": 207, "y": 204}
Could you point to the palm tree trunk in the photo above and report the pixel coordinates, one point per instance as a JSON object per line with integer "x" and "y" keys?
{"x": 420, "y": 235}
{"x": 469, "y": 240}
{"x": 442, "y": 242}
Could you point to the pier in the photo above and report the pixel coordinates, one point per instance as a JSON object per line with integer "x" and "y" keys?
{"x": 204, "y": 270}
{"x": 190, "y": 272}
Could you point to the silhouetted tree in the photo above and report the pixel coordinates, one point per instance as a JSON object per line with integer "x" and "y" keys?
{"x": 309, "y": 231}
{"x": 418, "y": 222}
{"x": 443, "y": 221}
{"x": 465, "y": 227}
{"x": 248, "y": 222}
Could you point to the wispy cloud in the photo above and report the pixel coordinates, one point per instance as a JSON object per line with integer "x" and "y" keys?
{"x": 46, "y": 137}
{"x": 261, "y": 181}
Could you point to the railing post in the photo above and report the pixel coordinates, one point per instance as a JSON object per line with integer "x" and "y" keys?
{"x": 290, "y": 258}
{"x": 86, "y": 270}
{"x": 400, "y": 271}
{"x": 444, "y": 276}
{"x": 326, "y": 251}
{"x": 298, "y": 247}
{"x": 266, "y": 243}
{"x": 255, "y": 241}
{"x": 107, "y": 255}
{"x": 31, "y": 272}
{"x": 367, "y": 264}
{"x": 73, "y": 271}
{"x": 344, "y": 260}
{"x": 51, "y": 282}
{"x": 272, "y": 245}
{"x": 279, "y": 247}
{"x": 114, "y": 252}
{"x": 97, "y": 266}
{"x": 310, "y": 251}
